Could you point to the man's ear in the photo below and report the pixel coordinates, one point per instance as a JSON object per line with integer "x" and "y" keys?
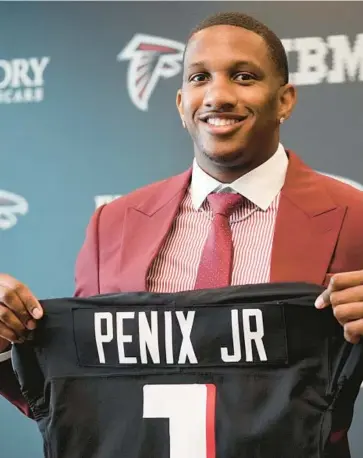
{"x": 179, "y": 105}
{"x": 287, "y": 101}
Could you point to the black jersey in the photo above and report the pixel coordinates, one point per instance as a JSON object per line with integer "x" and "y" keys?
{"x": 240, "y": 372}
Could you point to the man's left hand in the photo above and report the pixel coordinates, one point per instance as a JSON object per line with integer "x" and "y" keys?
{"x": 345, "y": 294}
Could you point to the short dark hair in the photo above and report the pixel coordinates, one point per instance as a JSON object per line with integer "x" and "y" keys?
{"x": 274, "y": 44}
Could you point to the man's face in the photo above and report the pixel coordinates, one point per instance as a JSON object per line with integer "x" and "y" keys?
{"x": 231, "y": 97}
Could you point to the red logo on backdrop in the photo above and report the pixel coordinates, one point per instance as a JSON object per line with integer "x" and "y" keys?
{"x": 151, "y": 58}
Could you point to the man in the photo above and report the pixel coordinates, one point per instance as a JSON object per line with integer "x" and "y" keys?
{"x": 292, "y": 224}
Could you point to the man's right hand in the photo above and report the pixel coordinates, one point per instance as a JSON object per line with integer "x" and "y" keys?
{"x": 19, "y": 311}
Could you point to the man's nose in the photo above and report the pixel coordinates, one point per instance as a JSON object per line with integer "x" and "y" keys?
{"x": 220, "y": 95}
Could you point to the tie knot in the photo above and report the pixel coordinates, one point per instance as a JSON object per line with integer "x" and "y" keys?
{"x": 224, "y": 203}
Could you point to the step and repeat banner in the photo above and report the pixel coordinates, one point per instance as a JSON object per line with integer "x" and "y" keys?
{"x": 87, "y": 113}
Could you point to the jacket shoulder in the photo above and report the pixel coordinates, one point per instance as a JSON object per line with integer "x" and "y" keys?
{"x": 345, "y": 193}
{"x": 117, "y": 207}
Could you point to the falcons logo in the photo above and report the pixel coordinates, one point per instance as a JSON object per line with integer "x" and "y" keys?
{"x": 11, "y": 205}
{"x": 151, "y": 58}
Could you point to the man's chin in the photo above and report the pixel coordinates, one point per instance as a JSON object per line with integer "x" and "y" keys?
{"x": 226, "y": 158}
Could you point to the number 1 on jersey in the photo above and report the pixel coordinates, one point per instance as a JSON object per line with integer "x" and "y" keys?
{"x": 191, "y": 413}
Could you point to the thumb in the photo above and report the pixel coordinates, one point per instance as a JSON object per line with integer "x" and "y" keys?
{"x": 323, "y": 300}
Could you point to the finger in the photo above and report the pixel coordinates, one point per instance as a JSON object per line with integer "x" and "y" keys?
{"x": 347, "y": 296}
{"x": 346, "y": 280}
{"x": 13, "y": 302}
{"x": 337, "y": 297}
{"x": 30, "y": 302}
{"x": 353, "y": 331}
{"x": 9, "y": 334}
{"x": 323, "y": 300}
{"x": 24, "y": 293}
{"x": 353, "y": 339}
{"x": 348, "y": 312}
{"x": 11, "y": 321}
{"x": 342, "y": 281}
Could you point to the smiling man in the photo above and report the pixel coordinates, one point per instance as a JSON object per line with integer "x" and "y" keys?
{"x": 235, "y": 94}
{"x": 248, "y": 211}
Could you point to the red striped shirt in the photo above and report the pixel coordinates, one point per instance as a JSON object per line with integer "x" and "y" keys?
{"x": 175, "y": 268}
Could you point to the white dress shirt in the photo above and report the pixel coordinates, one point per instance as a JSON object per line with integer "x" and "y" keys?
{"x": 261, "y": 185}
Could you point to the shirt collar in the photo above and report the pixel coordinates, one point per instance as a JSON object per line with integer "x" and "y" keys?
{"x": 261, "y": 185}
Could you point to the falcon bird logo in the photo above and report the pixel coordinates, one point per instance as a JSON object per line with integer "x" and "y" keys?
{"x": 151, "y": 58}
{"x": 11, "y": 205}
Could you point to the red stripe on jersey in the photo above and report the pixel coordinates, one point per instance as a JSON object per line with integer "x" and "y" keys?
{"x": 211, "y": 421}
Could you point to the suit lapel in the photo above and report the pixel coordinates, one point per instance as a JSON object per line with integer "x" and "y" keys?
{"x": 307, "y": 227}
{"x": 145, "y": 229}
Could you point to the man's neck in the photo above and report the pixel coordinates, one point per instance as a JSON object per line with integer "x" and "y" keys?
{"x": 229, "y": 172}
{"x": 226, "y": 173}
{"x": 260, "y": 185}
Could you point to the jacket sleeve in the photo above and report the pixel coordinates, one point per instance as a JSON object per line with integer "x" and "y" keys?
{"x": 10, "y": 389}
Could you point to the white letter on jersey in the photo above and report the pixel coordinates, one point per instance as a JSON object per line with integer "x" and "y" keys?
{"x": 103, "y": 338}
{"x": 186, "y": 348}
{"x": 236, "y": 355}
{"x": 191, "y": 413}
{"x": 256, "y": 336}
{"x": 122, "y": 339}
{"x": 169, "y": 338}
{"x": 149, "y": 337}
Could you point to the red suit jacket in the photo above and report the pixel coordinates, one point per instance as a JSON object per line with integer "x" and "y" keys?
{"x": 319, "y": 232}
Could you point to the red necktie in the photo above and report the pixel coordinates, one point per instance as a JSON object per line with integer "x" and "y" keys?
{"x": 215, "y": 266}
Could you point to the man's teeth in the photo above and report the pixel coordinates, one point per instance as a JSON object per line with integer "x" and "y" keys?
{"x": 221, "y": 121}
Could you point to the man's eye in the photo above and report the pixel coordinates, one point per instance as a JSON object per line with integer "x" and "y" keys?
{"x": 244, "y": 76}
{"x": 198, "y": 78}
